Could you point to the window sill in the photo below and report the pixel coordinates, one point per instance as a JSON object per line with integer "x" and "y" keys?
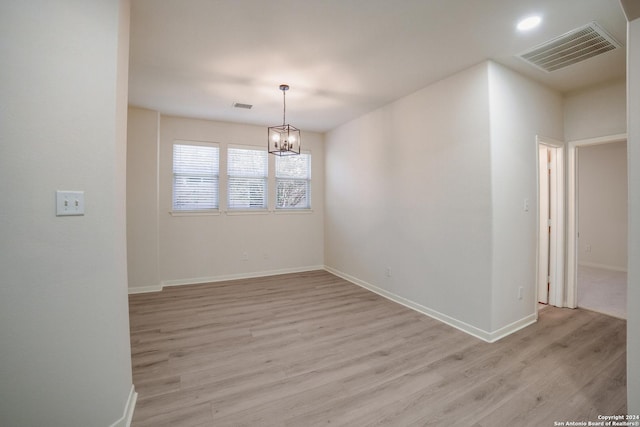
{"x": 292, "y": 211}
{"x": 247, "y": 212}
{"x": 195, "y": 213}
{"x": 241, "y": 212}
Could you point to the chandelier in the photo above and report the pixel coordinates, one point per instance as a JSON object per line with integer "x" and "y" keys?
{"x": 284, "y": 140}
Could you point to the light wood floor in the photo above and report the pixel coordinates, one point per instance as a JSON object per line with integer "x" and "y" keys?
{"x": 311, "y": 349}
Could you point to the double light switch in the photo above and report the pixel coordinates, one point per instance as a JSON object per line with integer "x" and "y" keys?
{"x": 69, "y": 203}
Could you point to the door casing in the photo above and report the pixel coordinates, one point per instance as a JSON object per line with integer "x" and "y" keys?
{"x": 556, "y": 239}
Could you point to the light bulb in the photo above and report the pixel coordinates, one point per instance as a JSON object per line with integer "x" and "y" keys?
{"x": 529, "y": 23}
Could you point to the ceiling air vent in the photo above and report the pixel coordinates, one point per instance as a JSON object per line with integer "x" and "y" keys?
{"x": 575, "y": 46}
{"x": 241, "y": 105}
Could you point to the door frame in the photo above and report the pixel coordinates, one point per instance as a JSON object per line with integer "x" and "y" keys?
{"x": 572, "y": 211}
{"x": 557, "y": 238}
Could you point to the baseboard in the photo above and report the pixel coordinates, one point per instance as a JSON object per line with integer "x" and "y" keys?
{"x": 144, "y": 289}
{"x": 223, "y": 278}
{"x": 513, "y": 327}
{"x": 458, "y": 324}
{"x": 453, "y": 322}
{"x": 127, "y": 416}
{"x": 602, "y": 266}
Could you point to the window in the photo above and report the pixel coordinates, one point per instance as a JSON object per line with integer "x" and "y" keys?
{"x": 293, "y": 182}
{"x": 195, "y": 177}
{"x": 247, "y": 169}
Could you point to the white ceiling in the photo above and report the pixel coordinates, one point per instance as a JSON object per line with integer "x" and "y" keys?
{"x": 342, "y": 58}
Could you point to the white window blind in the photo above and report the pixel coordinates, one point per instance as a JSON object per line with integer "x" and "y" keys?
{"x": 247, "y": 185}
{"x": 293, "y": 182}
{"x": 196, "y": 170}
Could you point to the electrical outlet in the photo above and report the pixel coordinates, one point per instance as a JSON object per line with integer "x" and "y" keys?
{"x": 587, "y": 248}
{"x": 520, "y": 292}
{"x": 245, "y": 256}
{"x": 388, "y": 272}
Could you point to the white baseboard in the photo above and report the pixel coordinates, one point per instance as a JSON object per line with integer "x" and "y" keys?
{"x": 127, "y": 416}
{"x": 603, "y": 266}
{"x": 223, "y": 278}
{"x": 513, "y": 327}
{"x": 144, "y": 289}
{"x": 458, "y": 324}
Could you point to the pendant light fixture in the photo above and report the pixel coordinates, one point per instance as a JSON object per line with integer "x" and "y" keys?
{"x": 284, "y": 140}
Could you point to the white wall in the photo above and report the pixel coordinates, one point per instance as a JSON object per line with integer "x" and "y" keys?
{"x": 520, "y": 109}
{"x": 408, "y": 188}
{"x": 633, "y": 275}
{"x": 432, "y": 187}
{"x": 602, "y": 205}
{"x": 595, "y": 111}
{"x": 142, "y": 198}
{"x": 203, "y": 248}
{"x": 63, "y": 299}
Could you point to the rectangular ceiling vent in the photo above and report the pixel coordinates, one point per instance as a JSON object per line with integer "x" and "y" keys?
{"x": 241, "y": 105}
{"x": 575, "y": 46}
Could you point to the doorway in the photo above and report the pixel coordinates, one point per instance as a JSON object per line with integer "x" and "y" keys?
{"x": 602, "y": 227}
{"x": 550, "y": 276}
{"x": 572, "y": 211}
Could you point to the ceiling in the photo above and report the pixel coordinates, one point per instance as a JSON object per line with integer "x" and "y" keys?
{"x": 342, "y": 58}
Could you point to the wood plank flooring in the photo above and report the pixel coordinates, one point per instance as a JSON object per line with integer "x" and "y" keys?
{"x": 311, "y": 349}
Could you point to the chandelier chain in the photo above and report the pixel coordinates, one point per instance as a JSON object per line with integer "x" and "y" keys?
{"x": 284, "y": 106}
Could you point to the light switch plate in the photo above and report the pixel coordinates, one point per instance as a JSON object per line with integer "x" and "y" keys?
{"x": 69, "y": 203}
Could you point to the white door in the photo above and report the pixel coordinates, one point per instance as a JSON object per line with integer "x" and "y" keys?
{"x": 544, "y": 216}
{"x": 551, "y": 212}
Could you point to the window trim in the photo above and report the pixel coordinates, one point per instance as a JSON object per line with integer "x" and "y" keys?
{"x": 208, "y": 212}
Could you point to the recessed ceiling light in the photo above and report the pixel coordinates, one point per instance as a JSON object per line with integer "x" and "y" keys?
{"x": 529, "y": 23}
